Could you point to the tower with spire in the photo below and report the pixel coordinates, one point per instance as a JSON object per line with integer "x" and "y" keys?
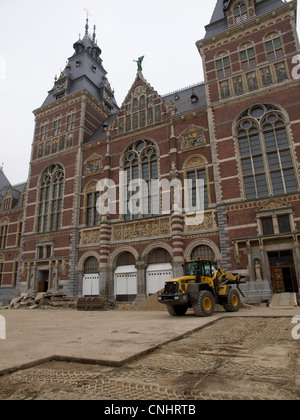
{"x": 80, "y": 101}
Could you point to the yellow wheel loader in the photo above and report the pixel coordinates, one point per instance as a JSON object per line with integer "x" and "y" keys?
{"x": 203, "y": 286}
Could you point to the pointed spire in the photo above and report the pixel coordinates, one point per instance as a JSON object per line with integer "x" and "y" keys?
{"x": 87, "y": 25}
{"x": 94, "y": 35}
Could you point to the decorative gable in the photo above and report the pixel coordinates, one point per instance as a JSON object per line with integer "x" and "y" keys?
{"x": 193, "y": 136}
{"x": 271, "y": 205}
{"x": 142, "y": 107}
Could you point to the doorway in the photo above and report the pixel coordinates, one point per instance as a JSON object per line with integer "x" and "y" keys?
{"x": 44, "y": 282}
{"x": 283, "y": 272}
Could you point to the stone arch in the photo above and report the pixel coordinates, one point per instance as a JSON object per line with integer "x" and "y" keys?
{"x": 198, "y": 242}
{"x": 132, "y": 144}
{"x": 84, "y": 257}
{"x": 157, "y": 245}
{"x": 4, "y": 221}
{"x": 195, "y": 161}
{"x": 120, "y": 250}
{"x": 91, "y": 185}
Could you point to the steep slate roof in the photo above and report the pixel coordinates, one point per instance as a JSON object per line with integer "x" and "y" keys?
{"x": 182, "y": 99}
{"x": 218, "y": 21}
{"x": 84, "y": 71}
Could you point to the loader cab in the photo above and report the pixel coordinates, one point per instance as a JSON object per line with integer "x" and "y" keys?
{"x": 200, "y": 268}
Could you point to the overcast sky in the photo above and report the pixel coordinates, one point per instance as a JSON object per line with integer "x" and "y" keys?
{"x": 37, "y": 37}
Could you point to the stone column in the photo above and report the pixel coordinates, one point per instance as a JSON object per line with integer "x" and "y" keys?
{"x": 105, "y": 237}
{"x": 141, "y": 281}
{"x": 50, "y": 276}
{"x": 28, "y": 268}
{"x": 54, "y": 285}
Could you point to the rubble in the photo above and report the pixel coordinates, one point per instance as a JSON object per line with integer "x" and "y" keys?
{"x": 47, "y": 300}
{"x": 96, "y": 304}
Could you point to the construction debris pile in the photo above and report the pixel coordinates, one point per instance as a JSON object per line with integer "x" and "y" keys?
{"x": 96, "y": 304}
{"x": 45, "y": 300}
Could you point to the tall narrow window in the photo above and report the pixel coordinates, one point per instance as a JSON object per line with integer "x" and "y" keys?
{"x": 7, "y": 204}
{"x": 265, "y": 154}
{"x": 92, "y": 215}
{"x": 248, "y": 59}
{"x": 274, "y": 49}
{"x": 267, "y": 225}
{"x": 71, "y": 121}
{"x": 44, "y": 130}
{"x": 193, "y": 176}
{"x": 3, "y": 235}
{"x": 141, "y": 189}
{"x": 1, "y": 272}
{"x": 223, "y": 67}
{"x": 50, "y": 199}
{"x": 284, "y": 223}
{"x": 57, "y": 126}
{"x": 279, "y": 155}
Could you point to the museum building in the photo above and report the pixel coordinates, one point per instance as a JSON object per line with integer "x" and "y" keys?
{"x": 238, "y": 132}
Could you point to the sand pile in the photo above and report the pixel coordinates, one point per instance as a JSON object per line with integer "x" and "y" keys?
{"x": 150, "y": 304}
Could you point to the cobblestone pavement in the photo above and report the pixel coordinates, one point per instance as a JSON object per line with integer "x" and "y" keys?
{"x": 232, "y": 359}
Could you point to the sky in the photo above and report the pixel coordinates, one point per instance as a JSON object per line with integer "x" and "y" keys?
{"x": 37, "y": 37}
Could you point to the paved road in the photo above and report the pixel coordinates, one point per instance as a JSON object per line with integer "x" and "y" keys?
{"x": 108, "y": 337}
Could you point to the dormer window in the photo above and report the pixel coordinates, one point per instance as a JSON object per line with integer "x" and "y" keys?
{"x": 7, "y": 204}
{"x": 240, "y": 13}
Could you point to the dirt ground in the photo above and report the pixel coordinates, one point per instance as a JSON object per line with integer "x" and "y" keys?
{"x": 233, "y": 358}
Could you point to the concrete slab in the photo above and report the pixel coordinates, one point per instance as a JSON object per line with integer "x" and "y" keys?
{"x": 108, "y": 338}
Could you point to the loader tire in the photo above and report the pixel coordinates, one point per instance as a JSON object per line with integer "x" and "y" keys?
{"x": 233, "y": 302}
{"x": 177, "y": 310}
{"x": 205, "y": 305}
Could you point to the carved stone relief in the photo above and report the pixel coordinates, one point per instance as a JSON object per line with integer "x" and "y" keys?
{"x": 94, "y": 165}
{"x": 141, "y": 230}
{"x": 208, "y": 224}
{"x": 193, "y": 136}
{"x": 90, "y": 237}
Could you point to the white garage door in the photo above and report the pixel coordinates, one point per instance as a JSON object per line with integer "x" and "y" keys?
{"x": 157, "y": 275}
{"x": 91, "y": 285}
{"x": 126, "y": 283}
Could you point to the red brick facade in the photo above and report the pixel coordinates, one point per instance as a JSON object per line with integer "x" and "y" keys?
{"x": 239, "y": 132}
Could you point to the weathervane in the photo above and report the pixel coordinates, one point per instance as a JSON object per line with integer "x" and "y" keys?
{"x": 139, "y": 62}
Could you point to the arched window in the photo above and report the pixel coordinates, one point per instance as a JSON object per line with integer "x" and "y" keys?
{"x": 203, "y": 252}
{"x": 266, "y": 161}
{"x": 141, "y": 190}
{"x": 91, "y": 266}
{"x": 50, "y": 199}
